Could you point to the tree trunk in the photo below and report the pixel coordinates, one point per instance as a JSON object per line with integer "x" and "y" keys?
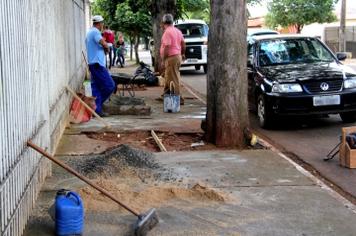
{"x": 131, "y": 47}
{"x": 159, "y": 8}
{"x": 342, "y": 41}
{"x": 147, "y": 42}
{"x": 227, "y": 109}
{"x": 299, "y": 28}
{"x": 137, "y": 43}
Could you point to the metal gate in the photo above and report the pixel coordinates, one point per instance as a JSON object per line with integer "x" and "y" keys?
{"x": 40, "y": 53}
{"x": 332, "y": 38}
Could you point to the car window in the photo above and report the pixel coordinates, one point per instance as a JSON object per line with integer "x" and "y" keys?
{"x": 192, "y": 30}
{"x": 250, "y": 49}
{"x": 291, "y": 51}
{"x": 319, "y": 50}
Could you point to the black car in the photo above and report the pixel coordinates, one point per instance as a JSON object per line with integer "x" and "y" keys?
{"x": 258, "y": 32}
{"x": 298, "y": 76}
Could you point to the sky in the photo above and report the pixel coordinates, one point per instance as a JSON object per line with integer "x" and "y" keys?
{"x": 258, "y": 10}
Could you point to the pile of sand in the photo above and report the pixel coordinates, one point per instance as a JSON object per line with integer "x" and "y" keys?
{"x": 147, "y": 197}
{"x": 126, "y": 172}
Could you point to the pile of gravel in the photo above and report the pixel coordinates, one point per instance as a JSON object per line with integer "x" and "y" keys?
{"x": 113, "y": 161}
{"x": 133, "y": 157}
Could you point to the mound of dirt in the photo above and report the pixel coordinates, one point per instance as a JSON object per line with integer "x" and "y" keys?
{"x": 114, "y": 161}
{"x": 147, "y": 197}
{"x": 143, "y": 140}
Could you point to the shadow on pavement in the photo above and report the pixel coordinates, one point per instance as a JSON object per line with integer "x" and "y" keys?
{"x": 303, "y": 123}
{"x": 191, "y": 71}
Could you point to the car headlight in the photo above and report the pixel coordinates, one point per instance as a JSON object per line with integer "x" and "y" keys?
{"x": 286, "y": 88}
{"x": 205, "y": 49}
{"x": 350, "y": 83}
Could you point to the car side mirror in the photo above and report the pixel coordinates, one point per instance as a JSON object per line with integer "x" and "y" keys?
{"x": 341, "y": 56}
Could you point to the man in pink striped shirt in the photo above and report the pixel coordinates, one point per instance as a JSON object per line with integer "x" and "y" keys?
{"x": 172, "y": 53}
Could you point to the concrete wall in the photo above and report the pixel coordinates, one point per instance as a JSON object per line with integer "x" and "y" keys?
{"x": 40, "y": 53}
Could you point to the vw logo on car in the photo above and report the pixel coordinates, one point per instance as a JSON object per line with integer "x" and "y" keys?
{"x": 324, "y": 86}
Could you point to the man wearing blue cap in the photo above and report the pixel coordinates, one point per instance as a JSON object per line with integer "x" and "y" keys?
{"x": 101, "y": 82}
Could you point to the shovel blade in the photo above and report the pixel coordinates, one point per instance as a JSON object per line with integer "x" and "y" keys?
{"x": 146, "y": 222}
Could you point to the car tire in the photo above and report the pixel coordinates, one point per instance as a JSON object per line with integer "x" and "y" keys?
{"x": 348, "y": 117}
{"x": 205, "y": 69}
{"x": 197, "y": 67}
{"x": 263, "y": 113}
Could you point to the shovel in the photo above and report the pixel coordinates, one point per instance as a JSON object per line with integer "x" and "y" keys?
{"x": 145, "y": 221}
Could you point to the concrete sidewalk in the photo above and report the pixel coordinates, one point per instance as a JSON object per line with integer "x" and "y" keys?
{"x": 268, "y": 196}
{"x": 215, "y": 192}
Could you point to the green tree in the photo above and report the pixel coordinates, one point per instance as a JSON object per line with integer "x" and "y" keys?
{"x": 200, "y": 9}
{"x": 107, "y": 9}
{"x": 195, "y": 9}
{"x": 133, "y": 18}
{"x": 299, "y": 12}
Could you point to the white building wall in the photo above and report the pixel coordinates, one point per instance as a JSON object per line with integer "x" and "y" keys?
{"x": 40, "y": 53}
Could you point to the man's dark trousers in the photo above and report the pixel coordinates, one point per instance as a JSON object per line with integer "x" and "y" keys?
{"x": 102, "y": 85}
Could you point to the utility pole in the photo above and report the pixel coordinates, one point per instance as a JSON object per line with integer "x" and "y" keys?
{"x": 342, "y": 41}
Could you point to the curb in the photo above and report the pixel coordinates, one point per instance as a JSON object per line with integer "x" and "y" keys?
{"x": 347, "y": 203}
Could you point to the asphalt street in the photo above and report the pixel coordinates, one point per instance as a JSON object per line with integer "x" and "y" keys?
{"x": 309, "y": 139}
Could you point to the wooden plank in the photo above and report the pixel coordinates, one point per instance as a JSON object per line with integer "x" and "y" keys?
{"x": 158, "y": 141}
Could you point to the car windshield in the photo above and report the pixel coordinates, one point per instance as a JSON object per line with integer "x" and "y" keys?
{"x": 193, "y": 30}
{"x": 292, "y": 51}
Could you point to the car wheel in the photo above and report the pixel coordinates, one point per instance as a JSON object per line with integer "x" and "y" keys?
{"x": 197, "y": 67}
{"x": 263, "y": 114}
{"x": 205, "y": 68}
{"x": 348, "y": 117}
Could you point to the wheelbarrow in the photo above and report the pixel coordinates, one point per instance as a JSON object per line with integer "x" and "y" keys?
{"x": 127, "y": 82}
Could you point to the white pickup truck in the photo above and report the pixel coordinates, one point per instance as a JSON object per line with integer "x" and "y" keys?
{"x": 195, "y": 34}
